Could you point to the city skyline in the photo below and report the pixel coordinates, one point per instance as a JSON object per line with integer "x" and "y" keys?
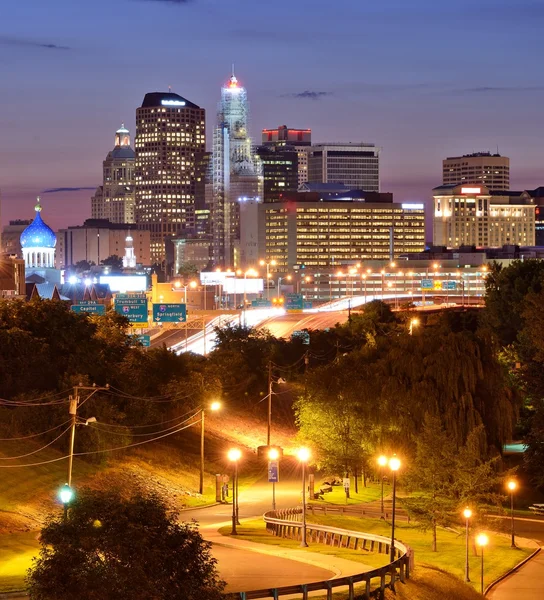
{"x": 384, "y": 74}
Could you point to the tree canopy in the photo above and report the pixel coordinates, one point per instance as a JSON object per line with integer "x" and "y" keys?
{"x": 115, "y": 547}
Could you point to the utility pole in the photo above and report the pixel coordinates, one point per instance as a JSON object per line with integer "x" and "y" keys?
{"x": 74, "y": 405}
{"x": 269, "y": 403}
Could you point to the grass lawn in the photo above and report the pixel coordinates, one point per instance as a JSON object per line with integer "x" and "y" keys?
{"x": 338, "y": 496}
{"x": 450, "y": 557}
{"x": 16, "y": 553}
{"x": 254, "y": 530}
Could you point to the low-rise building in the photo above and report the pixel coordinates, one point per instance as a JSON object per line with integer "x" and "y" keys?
{"x": 97, "y": 239}
{"x": 473, "y": 216}
{"x": 321, "y": 230}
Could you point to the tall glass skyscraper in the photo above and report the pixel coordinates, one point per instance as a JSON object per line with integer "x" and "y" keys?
{"x": 237, "y": 172}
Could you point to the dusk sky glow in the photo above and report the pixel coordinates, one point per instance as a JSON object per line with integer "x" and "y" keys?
{"x": 423, "y": 80}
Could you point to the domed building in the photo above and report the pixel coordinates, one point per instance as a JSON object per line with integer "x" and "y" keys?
{"x": 38, "y": 243}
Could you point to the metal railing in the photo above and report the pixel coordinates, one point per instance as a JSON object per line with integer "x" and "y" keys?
{"x": 285, "y": 523}
{"x": 373, "y": 512}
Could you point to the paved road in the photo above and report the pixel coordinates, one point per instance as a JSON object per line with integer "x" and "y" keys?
{"x": 284, "y": 325}
{"x": 245, "y": 569}
{"x": 528, "y": 582}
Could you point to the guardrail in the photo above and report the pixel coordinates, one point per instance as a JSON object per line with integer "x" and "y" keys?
{"x": 285, "y": 523}
{"x": 359, "y": 511}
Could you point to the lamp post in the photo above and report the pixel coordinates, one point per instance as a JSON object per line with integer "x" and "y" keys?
{"x": 363, "y": 277}
{"x": 394, "y": 465}
{"x": 467, "y": 513}
{"x": 267, "y": 264}
{"x": 213, "y": 406}
{"x": 414, "y": 321}
{"x": 273, "y": 455}
{"x": 234, "y": 456}
{"x": 252, "y": 273}
{"x": 66, "y": 494}
{"x": 512, "y": 486}
{"x": 482, "y": 540}
{"x": 382, "y": 461}
{"x": 303, "y": 456}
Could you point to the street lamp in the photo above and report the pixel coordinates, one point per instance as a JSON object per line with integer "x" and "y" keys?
{"x": 273, "y": 455}
{"x": 394, "y": 465}
{"x": 234, "y": 456}
{"x": 467, "y": 513}
{"x": 213, "y": 406}
{"x": 66, "y": 493}
{"x": 482, "y": 540}
{"x": 251, "y": 273}
{"x": 512, "y": 486}
{"x": 303, "y": 456}
{"x": 413, "y": 322}
{"x": 382, "y": 461}
{"x": 267, "y": 264}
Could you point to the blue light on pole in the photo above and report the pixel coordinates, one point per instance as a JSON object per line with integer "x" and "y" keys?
{"x": 66, "y": 494}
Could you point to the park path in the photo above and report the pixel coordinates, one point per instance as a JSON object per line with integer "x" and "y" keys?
{"x": 526, "y": 583}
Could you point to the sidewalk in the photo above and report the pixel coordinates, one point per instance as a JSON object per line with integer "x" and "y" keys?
{"x": 339, "y": 566}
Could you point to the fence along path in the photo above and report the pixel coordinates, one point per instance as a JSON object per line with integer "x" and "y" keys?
{"x": 286, "y": 523}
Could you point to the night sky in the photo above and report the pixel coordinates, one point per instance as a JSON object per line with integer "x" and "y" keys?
{"x": 422, "y": 79}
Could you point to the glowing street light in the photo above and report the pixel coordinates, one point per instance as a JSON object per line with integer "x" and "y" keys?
{"x": 267, "y": 264}
{"x": 382, "y": 462}
{"x": 512, "y": 486}
{"x": 467, "y": 513}
{"x": 214, "y": 406}
{"x": 303, "y": 456}
{"x": 413, "y": 323}
{"x": 394, "y": 465}
{"x": 234, "y": 455}
{"x": 482, "y": 540}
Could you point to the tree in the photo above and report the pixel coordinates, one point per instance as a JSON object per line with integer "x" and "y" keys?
{"x": 83, "y": 266}
{"x": 188, "y": 271}
{"x": 132, "y": 548}
{"x": 114, "y": 261}
{"x": 432, "y": 473}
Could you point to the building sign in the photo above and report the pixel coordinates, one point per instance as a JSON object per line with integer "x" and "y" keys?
{"x": 172, "y": 103}
{"x": 471, "y": 190}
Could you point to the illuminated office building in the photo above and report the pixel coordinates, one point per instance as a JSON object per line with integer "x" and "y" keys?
{"x": 480, "y": 168}
{"x": 473, "y": 216}
{"x": 170, "y": 141}
{"x": 114, "y": 199}
{"x": 324, "y": 230}
{"x": 280, "y": 171}
{"x": 236, "y": 174}
{"x": 299, "y": 139}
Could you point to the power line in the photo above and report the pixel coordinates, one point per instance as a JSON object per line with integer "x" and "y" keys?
{"x": 27, "y": 437}
{"x": 35, "y": 451}
{"x": 53, "y": 460}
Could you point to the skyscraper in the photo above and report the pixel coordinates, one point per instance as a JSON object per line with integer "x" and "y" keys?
{"x": 299, "y": 139}
{"x": 170, "y": 140}
{"x": 354, "y": 165}
{"x": 114, "y": 199}
{"x": 280, "y": 171}
{"x": 480, "y": 168}
{"x": 236, "y": 172}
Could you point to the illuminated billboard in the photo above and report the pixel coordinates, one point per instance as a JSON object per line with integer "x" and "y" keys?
{"x": 240, "y": 286}
{"x": 125, "y": 283}
{"x": 471, "y": 190}
{"x": 214, "y": 277}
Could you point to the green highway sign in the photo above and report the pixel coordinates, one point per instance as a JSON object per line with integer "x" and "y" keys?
{"x": 169, "y": 313}
{"x": 145, "y": 340}
{"x": 261, "y": 303}
{"x": 294, "y": 302}
{"x": 134, "y": 308}
{"x": 94, "y": 309}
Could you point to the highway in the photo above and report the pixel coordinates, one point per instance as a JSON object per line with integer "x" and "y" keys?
{"x": 284, "y": 326}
